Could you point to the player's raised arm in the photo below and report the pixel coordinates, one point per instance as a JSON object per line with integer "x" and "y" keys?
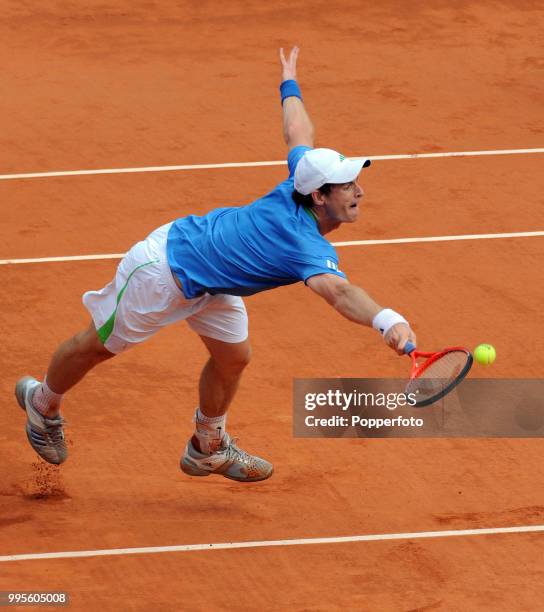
{"x": 297, "y": 126}
{"x": 356, "y": 305}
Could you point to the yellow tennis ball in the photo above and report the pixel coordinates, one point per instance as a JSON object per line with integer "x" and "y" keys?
{"x": 485, "y": 354}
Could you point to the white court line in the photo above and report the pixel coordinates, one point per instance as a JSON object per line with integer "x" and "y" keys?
{"x": 337, "y": 244}
{"x": 27, "y": 175}
{"x": 438, "y": 239}
{"x": 6, "y": 262}
{"x": 269, "y": 543}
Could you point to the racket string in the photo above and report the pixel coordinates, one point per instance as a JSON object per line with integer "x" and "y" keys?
{"x": 438, "y": 375}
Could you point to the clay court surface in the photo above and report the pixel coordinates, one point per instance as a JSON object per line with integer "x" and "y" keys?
{"x": 104, "y": 85}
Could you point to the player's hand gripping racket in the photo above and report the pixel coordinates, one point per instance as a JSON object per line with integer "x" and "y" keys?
{"x": 438, "y": 374}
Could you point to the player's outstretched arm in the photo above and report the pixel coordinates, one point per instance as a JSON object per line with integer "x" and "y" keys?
{"x": 297, "y": 125}
{"x": 356, "y": 305}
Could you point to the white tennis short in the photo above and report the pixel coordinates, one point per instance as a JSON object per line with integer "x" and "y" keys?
{"x": 143, "y": 297}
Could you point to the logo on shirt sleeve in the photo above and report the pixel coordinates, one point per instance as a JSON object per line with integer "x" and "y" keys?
{"x": 332, "y": 265}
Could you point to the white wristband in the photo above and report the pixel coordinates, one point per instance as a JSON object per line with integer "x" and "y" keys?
{"x": 385, "y": 320}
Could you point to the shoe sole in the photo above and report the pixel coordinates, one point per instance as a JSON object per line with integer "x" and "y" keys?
{"x": 257, "y": 479}
{"x": 191, "y": 470}
{"x": 20, "y": 397}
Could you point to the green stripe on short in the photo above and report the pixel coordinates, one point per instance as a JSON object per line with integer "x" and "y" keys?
{"x": 105, "y": 331}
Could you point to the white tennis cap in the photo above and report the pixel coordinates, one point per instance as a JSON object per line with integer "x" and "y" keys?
{"x": 320, "y": 166}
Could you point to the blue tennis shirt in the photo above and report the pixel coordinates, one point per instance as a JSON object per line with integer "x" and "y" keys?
{"x": 243, "y": 250}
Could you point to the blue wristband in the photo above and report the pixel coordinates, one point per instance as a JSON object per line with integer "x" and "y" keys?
{"x": 289, "y": 88}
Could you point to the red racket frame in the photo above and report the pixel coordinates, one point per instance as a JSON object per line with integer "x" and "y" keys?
{"x": 430, "y": 358}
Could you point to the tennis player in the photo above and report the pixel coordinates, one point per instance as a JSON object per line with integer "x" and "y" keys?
{"x": 198, "y": 269}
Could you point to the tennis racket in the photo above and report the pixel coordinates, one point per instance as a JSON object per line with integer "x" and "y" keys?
{"x": 438, "y": 374}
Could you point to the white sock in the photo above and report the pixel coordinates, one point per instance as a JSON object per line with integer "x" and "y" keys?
{"x": 209, "y": 431}
{"x": 44, "y": 399}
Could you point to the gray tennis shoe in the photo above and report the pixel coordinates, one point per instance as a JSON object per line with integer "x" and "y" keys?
{"x": 228, "y": 461}
{"x": 45, "y": 435}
